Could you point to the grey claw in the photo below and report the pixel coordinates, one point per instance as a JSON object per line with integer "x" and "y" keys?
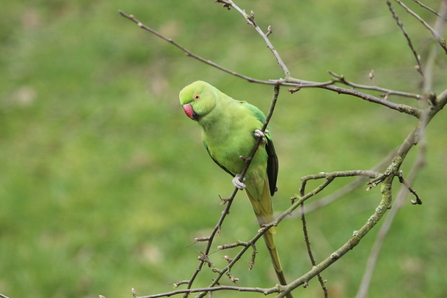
{"x": 259, "y": 134}
{"x": 240, "y": 185}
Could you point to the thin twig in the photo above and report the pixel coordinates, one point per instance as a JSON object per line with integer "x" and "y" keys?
{"x": 233, "y": 261}
{"x": 398, "y": 107}
{"x": 359, "y": 181}
{"x": 419, "y": 164}
{"x": 251, "y": 20}
{"x": 215, "y": 289}
{"x": 430, "y": 9}
{"x": 211, "y": 237}
{"x": 368, "y": 97}
{"x": 435, "y": 34}
{"x": 331, "y": 176}
{"x": 342, "y": 79}
{"x": 434, "y": 51}
{"x": 189, "y": 53}
{"x": 309, "y": 251}
{"x": 410, "y": 44}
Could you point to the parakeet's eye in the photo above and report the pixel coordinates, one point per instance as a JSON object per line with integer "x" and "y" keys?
{"x": 196, "y": 96}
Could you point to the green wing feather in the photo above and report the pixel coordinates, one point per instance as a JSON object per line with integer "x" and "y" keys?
{"x": 221, "y": 166}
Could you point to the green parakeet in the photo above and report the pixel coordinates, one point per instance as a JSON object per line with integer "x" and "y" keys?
{"x": 229, "y": 131}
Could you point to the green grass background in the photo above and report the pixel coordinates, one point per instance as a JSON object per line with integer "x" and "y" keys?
{"x": 104, "y": 181}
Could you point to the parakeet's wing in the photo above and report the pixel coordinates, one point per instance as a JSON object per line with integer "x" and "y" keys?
{"x": 224, "y": 168}
{"x": 272, "y": 165}
{"x": 272, "y": 161}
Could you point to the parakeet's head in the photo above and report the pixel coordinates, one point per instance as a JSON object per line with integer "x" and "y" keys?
{"x": 198, "y": 99}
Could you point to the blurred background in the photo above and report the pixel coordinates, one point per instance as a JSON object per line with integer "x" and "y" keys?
{"x": 104, "y": 181}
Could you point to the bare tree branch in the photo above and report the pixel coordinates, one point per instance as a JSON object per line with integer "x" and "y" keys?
{"x": 430, "y": 106}
{"x": 309, "y": 251}
{"x": 435, "y": 34}
{"x": 215, "y": 289}
{"x": 189, "y": 53}
{"x": 430, "y": 9}
{"x": 349, "y": 245}
{"x": 439, "y": 103}
{"x": 359, "y": 181}
{"x": 251, "y": 20}
{"x": 429, "y": 66}
{"x": 298, "y": 84}
{"x": 384, "y": 229}
{"x": 410, "y": 44}
{"x": 398, "y": 107}
{"x": 342, "y": 79}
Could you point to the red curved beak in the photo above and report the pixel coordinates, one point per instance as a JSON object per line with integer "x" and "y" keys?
{"x": 189, "y": 111}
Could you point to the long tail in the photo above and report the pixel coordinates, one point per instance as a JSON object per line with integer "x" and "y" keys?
{"x": 270, "y": 242}
{"x": 263, "y": 209}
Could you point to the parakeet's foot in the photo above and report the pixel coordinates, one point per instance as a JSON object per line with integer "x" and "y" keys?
{"x": 240, "y": 185}
{"x": 259, "y": 134}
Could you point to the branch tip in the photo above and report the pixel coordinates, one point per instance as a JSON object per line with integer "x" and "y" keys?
{"x": 179, "y": 283}
{"x": 225, "y": 4}
{"x": 269, "y": 30}
{"x": 410, "y": 189}
{"x": 228, "y": 259}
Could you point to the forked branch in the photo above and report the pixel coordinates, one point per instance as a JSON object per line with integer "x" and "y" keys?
{"x": 297, "y": 84}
